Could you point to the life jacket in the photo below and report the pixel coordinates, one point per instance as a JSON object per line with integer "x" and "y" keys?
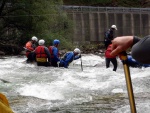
{"x": 40, "y": 54}
{"x": 108, "y": 51}
{"x": 29, "y": 47}
{"x": 51, "y": 51}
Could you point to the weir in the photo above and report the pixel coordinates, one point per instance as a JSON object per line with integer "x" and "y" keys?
{"x": 90, "y": 23}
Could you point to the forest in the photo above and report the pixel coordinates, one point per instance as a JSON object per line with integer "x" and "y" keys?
{"x": 22, "y": 19}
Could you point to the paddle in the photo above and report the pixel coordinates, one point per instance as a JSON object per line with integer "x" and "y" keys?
{"x": 4, "y": 104}
{"x": 81, "y": 63}
{"x": 58, "y": 63}
{"x": 4, "y": 99}
{"x": 28, "y": 49}
{"x": 123, "y": 57}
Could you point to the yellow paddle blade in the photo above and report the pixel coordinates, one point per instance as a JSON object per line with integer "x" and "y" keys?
{"x": 4, "y": 104}
{"x": 3, "y": 99}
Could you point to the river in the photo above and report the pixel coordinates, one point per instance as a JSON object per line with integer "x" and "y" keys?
{"x": 33, "y": 89}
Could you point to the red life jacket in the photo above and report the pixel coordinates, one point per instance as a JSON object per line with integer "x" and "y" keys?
{"x": 29, "y": 47}
{"x": 40, "y": 52}
{"x": 51, "y": 51}
{"x": 108, "y": 51}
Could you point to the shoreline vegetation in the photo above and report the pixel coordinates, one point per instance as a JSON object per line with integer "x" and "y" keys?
{"x": 10, "y": 51}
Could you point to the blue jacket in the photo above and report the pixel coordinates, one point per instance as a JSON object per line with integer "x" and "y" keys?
{"x": 68, "y": 58}
{"x": 55, "y": 54}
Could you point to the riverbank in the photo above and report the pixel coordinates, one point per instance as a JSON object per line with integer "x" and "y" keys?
{"x": 11, "y": 49}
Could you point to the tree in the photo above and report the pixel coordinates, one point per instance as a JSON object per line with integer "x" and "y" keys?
{"x": 21, "y": 19}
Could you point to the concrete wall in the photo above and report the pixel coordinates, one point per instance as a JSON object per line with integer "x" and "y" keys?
{"x": 90, "y": 26}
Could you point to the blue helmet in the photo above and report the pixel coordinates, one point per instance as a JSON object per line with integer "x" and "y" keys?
{"x": 56, "y": 42}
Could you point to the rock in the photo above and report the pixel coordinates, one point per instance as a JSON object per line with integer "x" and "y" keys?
{"x": 2, "y": 53}
{"x": 22, "y": 53}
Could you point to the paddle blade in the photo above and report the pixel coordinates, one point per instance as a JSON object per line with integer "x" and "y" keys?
{"x": 4, "y": 104}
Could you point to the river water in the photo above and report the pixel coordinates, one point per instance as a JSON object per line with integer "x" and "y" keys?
{"x": 33, "y": 89}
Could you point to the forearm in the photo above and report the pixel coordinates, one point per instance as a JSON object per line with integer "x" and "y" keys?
{"x": 48, "y": 54}
{"x": 29, "y": 48}
{"x": 76, "y": 57}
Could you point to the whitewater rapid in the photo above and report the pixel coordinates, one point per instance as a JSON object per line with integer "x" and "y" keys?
{"x": 33, "y": 89}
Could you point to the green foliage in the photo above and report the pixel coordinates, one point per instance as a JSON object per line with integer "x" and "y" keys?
{"x": 22, "y": 19}
{"x": 129, "y": 3}
{"x": 51, "y": 22}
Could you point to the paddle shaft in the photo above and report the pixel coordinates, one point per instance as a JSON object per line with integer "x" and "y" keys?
{"x": 81, "y": 64}
{"x": 28, "y": 49}
{"x": 128, "y": 82}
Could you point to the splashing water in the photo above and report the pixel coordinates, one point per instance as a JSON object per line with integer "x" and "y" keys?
{"x": 33, "y": 89}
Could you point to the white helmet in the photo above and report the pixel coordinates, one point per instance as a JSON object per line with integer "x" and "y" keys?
{"x": 76, "y": 50}
{"x": 114, "y": 27}
{"x": 41, "y": 42}
{"x": 34, "y": 38}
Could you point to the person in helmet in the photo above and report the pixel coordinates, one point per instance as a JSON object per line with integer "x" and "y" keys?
{"x": 42, "y": 54}
{"x": 54, "y": 52}
{"x": 109, "y": 35}
{"x": 30, "y": 47}
{"x": 69, "y": 57}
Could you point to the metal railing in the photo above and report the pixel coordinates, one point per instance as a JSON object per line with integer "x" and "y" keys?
{"x": 104, "y": 9}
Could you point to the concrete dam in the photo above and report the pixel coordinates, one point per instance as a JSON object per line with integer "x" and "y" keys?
{"x": 90, "y": 23}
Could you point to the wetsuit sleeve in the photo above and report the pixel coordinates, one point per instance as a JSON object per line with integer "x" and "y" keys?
{"x": 47, "y": 53}
{"x": 141, "y": 50}
{"x": 135, "y": 39}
